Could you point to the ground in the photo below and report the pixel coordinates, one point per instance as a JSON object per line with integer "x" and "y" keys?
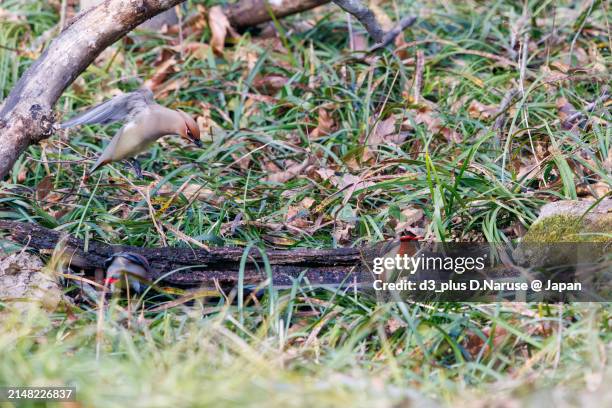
{"x": 476, "y": 117}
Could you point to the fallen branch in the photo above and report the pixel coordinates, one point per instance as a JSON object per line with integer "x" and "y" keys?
{"x": 197, "y": 267}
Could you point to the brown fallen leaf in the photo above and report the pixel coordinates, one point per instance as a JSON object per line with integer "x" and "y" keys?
{"x": 342, "y": 232}
{"x": 297, "y": 216}
{"x": 451, "y": 135}
{"x": 382, "y": 129}
{"x": 162, "y": 71}
{"x": 569, "y": 116}
{"x": 427, "y": 116}
{"x": 44, "y": 187}
{"x": 381, "y": 16}
{"x": 479, "y": 110}
{"x": 9, "y": 16}
{"x": 205, "y": 122}
{"x": 291, "y": 172}
{"x": 173, "y": 85}
{"x": 473, "y": 343}
{"x": 327, "y": 174}
{"x": 325, "y": 124}
{"x": 269, "y": 84}
{"x": 219, "y": 28}
{"x": 385, "y": 134}
{"x": 409, "y": 217}
{"x": 196, "y": 49}
{"x": 307, "y": 202}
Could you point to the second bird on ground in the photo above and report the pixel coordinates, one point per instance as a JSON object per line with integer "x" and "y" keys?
{"x": 145, "y": 122}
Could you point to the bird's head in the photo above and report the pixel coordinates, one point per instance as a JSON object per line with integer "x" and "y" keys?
{"x": 190, "y": 130}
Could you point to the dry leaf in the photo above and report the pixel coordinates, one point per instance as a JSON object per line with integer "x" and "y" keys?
{"x": 474, "y": 343}
{"x": 326, "y": 174}
{"x": 44, "y": 187}
{"x": 307, "y": 202}
{"x": 205, "y": 122}
{"x": 425, "y": 115}
{"x": 170, "y": 86}
{"x": 383, "y": 129}
{"x": 325, "y": 125}
{"x": 269, "y": 84}
{"x": 297, "y": 216}
{"x": 292, "y": 171}
{"x": 161, "y": 73}
{"x": 451, "y": 135}
{"x": 410, "y": 216}
{"x": 479, "y": 110}
{"x": 569, "y": 116}
{"x": 219, "y": 27}
{"x": 383, "y": 19}
{"x": 9, "y": 16}
{"x": 197, "y": 49}
{"x": 342, "y": 232}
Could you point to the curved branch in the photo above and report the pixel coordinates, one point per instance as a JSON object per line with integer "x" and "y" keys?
{"x": 248, "y": 13}
{"x": 26, "y": 116}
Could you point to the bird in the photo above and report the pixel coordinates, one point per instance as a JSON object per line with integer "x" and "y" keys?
{"x": 127, "y": 266}
{"x": 145, "y": 122}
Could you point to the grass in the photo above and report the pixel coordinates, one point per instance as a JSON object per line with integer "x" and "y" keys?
{"x": 304, "y": 347}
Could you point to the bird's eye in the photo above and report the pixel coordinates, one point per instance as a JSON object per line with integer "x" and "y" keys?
{"x": 189, "y": 132}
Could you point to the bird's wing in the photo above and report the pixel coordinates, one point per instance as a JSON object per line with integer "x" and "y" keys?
{"x": 121, "y": 107}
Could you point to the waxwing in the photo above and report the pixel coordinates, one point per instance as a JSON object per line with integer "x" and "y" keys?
{"x": 145, "y": 121}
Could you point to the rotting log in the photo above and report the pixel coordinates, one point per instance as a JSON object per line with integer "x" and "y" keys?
{"x": 197, "y": 267}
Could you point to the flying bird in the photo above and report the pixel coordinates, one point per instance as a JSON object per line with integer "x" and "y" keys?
{"x": 130, "y": 267}
{"x": 145, "y": 122}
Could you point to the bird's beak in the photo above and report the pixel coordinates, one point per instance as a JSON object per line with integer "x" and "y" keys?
{"x": 197, "y": 142}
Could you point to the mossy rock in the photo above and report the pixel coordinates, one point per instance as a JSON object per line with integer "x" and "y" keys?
{"x": 567, "y": 232}
{"x": 572, "y": 221}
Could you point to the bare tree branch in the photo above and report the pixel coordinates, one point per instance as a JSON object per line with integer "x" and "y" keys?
{"x": 365, "y": 17}
{"x": 371, "y": 24}
{"x": 248, "y": 13}
{"x": 394, "y": 32}
{"x": 26, "y": 116}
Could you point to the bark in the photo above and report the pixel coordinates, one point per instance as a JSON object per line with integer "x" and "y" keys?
{"x": 248, "y": 13}
{"x": 371, "y": 24}
{"x": 365, "y": 16}
{"x": 168, "y": 17}
{"x": 196, "y": 267}
{"x": 26, "y": 116}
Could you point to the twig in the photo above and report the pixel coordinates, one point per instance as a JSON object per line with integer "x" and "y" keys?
{"x": 503, "y": 106}
{"x": 418, "y": 75}
{"x": 372, "y": 26}
{"x": 394, "y": 32}
{"x": 365, "y": 16}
